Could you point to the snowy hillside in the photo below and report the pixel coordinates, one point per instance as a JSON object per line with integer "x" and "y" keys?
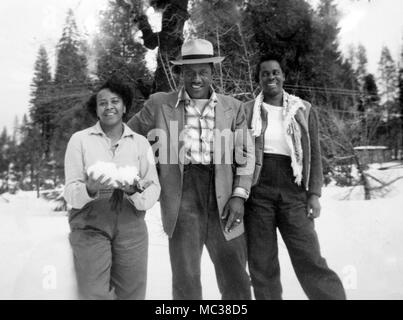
{"x": 361, "y": 240}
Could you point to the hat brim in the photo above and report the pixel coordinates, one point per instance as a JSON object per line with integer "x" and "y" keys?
{"x": 197, "y": 61}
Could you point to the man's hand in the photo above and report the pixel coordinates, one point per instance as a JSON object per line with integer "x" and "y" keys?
{"x": 93, "y": 185}
{"x": 233, "y": 212}
{"x": 313, "y": 206}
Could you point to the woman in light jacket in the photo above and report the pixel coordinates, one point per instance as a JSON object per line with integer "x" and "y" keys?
{"x": 108, "y": 233}
{"x": 285, "y": 191}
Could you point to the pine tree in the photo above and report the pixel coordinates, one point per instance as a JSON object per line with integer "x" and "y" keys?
{"x": 71, "y": 64}
{"x": 4, "y": 160}
{"x": 388, "y": 91}
{"x": 370, "y": 90}
{"x": 16, "y": 127}
{"x": 401, "y": 87}
{"x": 41, "y": 110}
{"x": 361, "y": 68}
{"x": 369, "y": 119}
{"x": 31, "y": 154}
{"x": 8, "y": 158}
{"x": 365, "y": 82}
{"x": 401, "y": 105}
{"x": 3, "y": 137}
{"x": 283, "y": 28}
{"x": 70, "y": 91}
{"x": 23, "y": 153}
{"x": 42, "y": 75}
{"x": 388, "y": 78}
{"x": 118, "y": 55}
{"x": 325, "y": 66}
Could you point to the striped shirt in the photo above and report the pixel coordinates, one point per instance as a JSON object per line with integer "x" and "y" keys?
{"x": 199, "y": 127}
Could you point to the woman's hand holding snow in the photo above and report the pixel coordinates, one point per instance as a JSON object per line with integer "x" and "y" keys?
{"x": 100, "y": 176}
{"x": 143, "y": 184}
{"x": 131, "y": 174}
{"x": 107, "y": 175}
{"x": 128, "y": 175}
{"x": 95, "y": 184}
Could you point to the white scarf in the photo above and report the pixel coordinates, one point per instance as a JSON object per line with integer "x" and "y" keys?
{"x": 291, "y": 105}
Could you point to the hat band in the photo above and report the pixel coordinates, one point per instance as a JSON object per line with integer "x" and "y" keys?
{"x": 197, "y": 56}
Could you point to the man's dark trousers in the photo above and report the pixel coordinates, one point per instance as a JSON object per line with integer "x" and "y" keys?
{"x": 198, "y": 224}
{"x": 278, "y": 202}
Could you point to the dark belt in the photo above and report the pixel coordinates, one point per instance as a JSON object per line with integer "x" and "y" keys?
{"x": 278, "y": 157}
{"x": 207, "y": 167}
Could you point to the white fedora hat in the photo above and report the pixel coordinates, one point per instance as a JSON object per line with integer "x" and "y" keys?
{"x": 197, "y": 51}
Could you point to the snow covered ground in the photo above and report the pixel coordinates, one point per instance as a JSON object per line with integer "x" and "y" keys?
{"x": 361, "y": 240}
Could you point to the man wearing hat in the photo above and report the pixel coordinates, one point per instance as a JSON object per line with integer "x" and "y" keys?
{"x": 206, "y": 163}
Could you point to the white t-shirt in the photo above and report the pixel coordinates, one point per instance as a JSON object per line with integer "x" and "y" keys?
{"x": 274, "y": 136}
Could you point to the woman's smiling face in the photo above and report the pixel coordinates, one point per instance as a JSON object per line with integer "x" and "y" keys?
{"x": 110, "y": 108}
{"x": 271, "y": 78}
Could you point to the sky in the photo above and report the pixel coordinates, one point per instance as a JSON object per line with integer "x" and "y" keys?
{"x": 25, "y": 25}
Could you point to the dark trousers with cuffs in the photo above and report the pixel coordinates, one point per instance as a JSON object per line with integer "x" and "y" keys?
{"x": 277, "y": 202}
{"x": 198, "y": 224}
{"x": 110, "y": 250}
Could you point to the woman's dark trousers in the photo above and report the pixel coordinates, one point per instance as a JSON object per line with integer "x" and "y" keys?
{"x": 277, "y": 202}
{"x": 110, "y": 250}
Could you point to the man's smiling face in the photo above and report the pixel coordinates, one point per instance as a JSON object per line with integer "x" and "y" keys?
{"x": 197, "y": 79}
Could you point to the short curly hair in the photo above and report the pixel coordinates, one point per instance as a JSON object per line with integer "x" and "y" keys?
{"x": 269, "y": 57}
{"x": 116, "y": 86}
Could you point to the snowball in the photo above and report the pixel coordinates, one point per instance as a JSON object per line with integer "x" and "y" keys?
{"x": 102, "y": 168}
{"x": 125, "y": 174}
{"x": 128, "y": 174}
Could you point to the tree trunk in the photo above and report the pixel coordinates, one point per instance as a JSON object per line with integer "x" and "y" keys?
{"x": 399, "y": 142}
{"x": 37, "y": 185}
{"x": 169, "y": 40}
{"x": 32, "y": 176}
{"x": 364, "y": 179}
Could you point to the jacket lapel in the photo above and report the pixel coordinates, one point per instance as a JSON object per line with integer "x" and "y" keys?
{"x": 174, "y": 118}
{"x": 299, "y": 116}
{"x": 223, "y": 120}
